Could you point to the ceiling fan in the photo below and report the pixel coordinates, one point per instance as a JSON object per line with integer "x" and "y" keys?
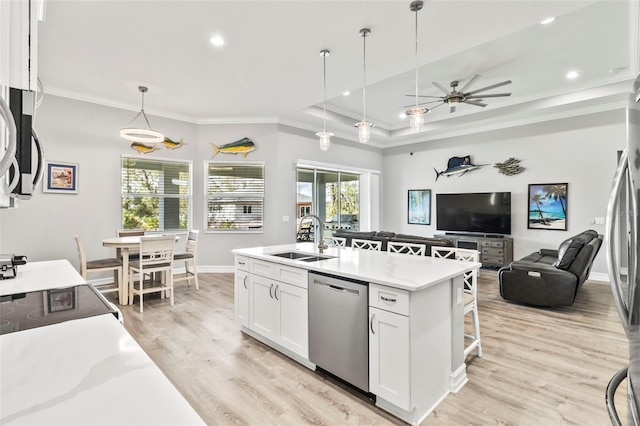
{"x": 455, "y": 97}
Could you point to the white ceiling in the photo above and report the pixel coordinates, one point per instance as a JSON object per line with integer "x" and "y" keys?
{"x": 270, "y": 69}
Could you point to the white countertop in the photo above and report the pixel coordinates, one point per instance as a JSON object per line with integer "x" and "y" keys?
{"x": 37, "y": 276}
{"x": 401, "y": 271}
{"x": 80, "y": 372}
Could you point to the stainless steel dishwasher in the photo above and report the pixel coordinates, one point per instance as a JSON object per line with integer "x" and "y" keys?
{"x": 338, "y": 327}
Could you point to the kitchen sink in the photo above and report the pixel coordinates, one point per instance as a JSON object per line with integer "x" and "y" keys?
{"x": 304, "y": 257}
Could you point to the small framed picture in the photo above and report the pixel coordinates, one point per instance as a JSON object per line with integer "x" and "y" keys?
{"x": 61, "y": 178}
{"x": 548, "y": 206}
{"x": 419, "y": 211}
{"x": 61, "y": 299}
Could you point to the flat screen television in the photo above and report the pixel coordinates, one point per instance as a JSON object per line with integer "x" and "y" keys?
{"x": 482, "y": 213}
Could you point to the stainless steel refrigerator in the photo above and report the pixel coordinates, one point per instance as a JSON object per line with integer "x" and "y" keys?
{"x": 623, "y": 254}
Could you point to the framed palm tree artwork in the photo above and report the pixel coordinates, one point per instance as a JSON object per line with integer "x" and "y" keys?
{"x": 548, "y": 206}
{"x": 419, "y": 211}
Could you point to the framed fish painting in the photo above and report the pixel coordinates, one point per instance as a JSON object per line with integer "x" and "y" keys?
{"x": 61, "y": 178}
{"x": 548, "y": 206}
{"x": 419, "y": 209}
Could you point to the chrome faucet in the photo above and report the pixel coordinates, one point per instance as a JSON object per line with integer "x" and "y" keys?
{"x": 321, "y": 244}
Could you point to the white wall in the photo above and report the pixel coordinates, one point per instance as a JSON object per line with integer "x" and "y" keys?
{"x": 87, "y": 134}
{"x": 581, "y": 151}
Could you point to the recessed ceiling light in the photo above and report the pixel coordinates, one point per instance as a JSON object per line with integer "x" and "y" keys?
{"x": 548, "y": 20}
{"x": 346, "y": 93}
{"x": 216, "y": 40}
{"x": 572, "y": 75}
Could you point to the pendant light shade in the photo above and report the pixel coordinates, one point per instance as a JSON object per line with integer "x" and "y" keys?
{"x": 325, "y": 137}
{"x": 417, "y": 113}
{"x": 141, "y": 134}
{"x": 364, "y": 127}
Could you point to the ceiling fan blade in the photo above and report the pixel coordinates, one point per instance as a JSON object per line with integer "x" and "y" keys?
{"x": 493, "y": 95}
{"x": 441, "y": 87}
{"x": 425, "y": 96}
{"x": 469, "y": 82}
{"x": 504, "y": 83}
{"x": 452, "y": 110}
{"x": 439, "y": 105}
{"x": 421, "y": 103}
{"x": 476, "y": 103}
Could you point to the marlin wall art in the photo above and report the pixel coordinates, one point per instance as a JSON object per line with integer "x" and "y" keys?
{"x": 458, "y": 166}
{"x": 242, "y": 146}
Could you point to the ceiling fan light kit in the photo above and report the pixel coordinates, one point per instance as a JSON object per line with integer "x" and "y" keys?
{"x": 141, "y": 134}
{"x": 416, "y": 114}
{"x": 364, "y": 127}
{"x": 325, "y": 137}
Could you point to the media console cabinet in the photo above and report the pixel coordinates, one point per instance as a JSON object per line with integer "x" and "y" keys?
{"x": 495, "y": 252}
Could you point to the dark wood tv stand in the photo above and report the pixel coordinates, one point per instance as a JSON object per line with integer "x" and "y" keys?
{"x": 496, "y": 251}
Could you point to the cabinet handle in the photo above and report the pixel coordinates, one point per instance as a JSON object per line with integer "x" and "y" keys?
{"x": 270, "y": 290}
{"x": 371, "y": 323}
{"x": 275, "y": 291}
{"x": 388, "y": 299}
{"x": 241, "y": 263}
{"x": 244, "y": 282}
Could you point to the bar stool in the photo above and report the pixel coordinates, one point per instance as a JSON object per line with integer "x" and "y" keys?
{"x": 101, "y": 265}
{"x": 470, "y": 291}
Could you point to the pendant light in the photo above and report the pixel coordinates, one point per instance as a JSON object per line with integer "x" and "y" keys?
{"x": 325, "y": 137}
{"x": 416, "y": 114}
{"x": 364, "y": 127}
{"x": 140, "y": 134}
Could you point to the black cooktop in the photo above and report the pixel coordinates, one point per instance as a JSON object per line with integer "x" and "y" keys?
{"x": 23, "y": 311}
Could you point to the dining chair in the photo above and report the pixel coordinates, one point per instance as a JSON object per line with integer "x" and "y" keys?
{"x": 406, "y": 248}
{"x": 338, "y": 241}
{"x": 470, "y": 280}
{"x": 366, "y": 244}
{"x": 189, "y": 257}
{"x": 101, "y": 265}
{"x": 156, "y": 256}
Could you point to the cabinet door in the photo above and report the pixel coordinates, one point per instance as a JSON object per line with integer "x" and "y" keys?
{"x": 263, "y": 306}
{"x": 293, "y": 318}
{"x": 241, "y": 297}
{"x": 389, "y": 361}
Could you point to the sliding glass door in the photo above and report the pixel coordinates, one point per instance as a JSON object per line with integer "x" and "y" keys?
{"x": 332, "y": 195}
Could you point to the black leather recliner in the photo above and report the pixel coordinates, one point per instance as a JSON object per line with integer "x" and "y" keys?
{"x": 551, "y": 277}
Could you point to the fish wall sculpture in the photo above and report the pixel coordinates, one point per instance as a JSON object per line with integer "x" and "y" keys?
{"x": 242, "y": 146}
{"x": 143, "y": 148}
{"x": 510, "y": 167}
{"x": 170, "y": 144}
{"x": 458, "y": 166}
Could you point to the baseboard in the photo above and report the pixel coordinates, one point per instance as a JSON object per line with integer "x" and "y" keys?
{"x": 598, "y": 276}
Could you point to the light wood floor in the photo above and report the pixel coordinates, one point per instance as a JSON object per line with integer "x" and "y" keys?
{"x": 540, "y": 366}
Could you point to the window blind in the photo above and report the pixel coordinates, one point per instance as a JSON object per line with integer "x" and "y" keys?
{"x": 156, "y": 194}
{"x": 235, "y": 196}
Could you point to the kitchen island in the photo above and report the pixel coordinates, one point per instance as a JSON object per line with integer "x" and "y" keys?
{"x": 416, "y": 319}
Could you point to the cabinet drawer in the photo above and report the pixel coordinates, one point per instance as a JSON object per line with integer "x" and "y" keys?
{"x": 265, "y": 269}
{"x": 497, "y": 260}
{"x": 492, "y": 252}
{"x": 287, "y": 274}
{"x": 295, "y": 276}
{"x": 497, "y": 244}
{"x": 242, "y": 263}
{"x": 389, "y": 299}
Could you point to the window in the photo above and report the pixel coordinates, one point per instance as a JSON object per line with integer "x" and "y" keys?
{"x": 235, "y": 196}
{"x": 156, "y": 194}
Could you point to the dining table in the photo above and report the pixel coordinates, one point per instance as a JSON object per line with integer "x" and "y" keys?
{"x": 125, "y": 246}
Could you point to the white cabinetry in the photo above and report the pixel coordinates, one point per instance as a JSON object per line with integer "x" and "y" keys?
{"x": 276, "y": 304}
{"x": 409, "y": 349}
{"x": 241, "y": 287}
{"x": 389, "y": 357}
{"x": 19, "y": 43}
